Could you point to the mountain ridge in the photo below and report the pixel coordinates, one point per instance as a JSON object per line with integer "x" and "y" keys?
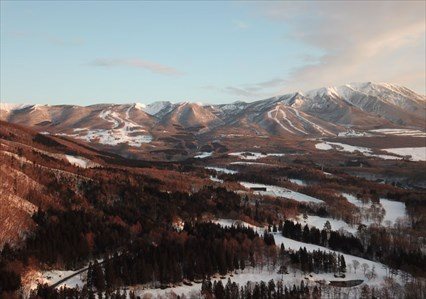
{"x": 15, "y": 106}
{"x": 323, "y": 112}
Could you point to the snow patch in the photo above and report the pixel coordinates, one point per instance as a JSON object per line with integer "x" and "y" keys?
{"x": 221, "y": 170}
{"x": 277, "y": 191}
{"x": 353, "y": 200}
{"x": 122, "y": 131}
{"x": 400, "y": 132}
{"x": 254, "y": 155}
{"x": 81, "y": 161}
{"x": 341, "y": 147}
{"x": 298, "y": 182}
{"x": 203, "y": 155}
{"x": 416, "y": 153}
{"x": 318, "y": 222}
{"x": 394, "y": 210}
{"x": 380, "y": 269}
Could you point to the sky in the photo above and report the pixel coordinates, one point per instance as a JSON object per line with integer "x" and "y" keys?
{"x": 86, "y": 52}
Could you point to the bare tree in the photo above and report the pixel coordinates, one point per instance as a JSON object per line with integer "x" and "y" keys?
{"x": 365, "y": 267}
{"x": 355, "y": 264}
{"x": 371, "y": 274}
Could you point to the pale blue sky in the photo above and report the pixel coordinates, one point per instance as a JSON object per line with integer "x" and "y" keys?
{"x": 213, "y": 52}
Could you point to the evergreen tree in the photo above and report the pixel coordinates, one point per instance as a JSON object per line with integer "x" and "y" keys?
{"x": 98, "y": 277}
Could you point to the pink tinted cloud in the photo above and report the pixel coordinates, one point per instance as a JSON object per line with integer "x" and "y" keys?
{"x": 137, "y": 63}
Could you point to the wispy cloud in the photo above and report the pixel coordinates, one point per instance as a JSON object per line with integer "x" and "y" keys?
{"x": 240, "y": 24}
{"x": 136, "y": 63}
{"x": 46, "y": 37}
{"x": 362, "y": 41}
{"x": 251, "y": 91}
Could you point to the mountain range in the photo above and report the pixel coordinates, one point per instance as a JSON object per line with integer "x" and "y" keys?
{"x": 322, "y": 112}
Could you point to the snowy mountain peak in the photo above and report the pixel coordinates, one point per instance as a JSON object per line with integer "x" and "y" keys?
{"x": 157, "y": 107}
{"x": 139, "y": 106}
{"x": 11, "y": 106}
{"x": 324, "y": 91}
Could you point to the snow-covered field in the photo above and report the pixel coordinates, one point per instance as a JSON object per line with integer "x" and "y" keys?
{"x": 240, "y": 277}
{"x": 294, "y": 277}
{"x": 33, "y": 278}
{"x": 203, "y": 155}
{"x": 326, "y": 145}
{"x": 380, "y": 269}
{"x": 250, "y": 163}
{"x": 401, "y": 132}
{"x": 221, "y": 170}
{"x": 276, "y": 191}
{"x": 341, "y": 147}
{"x": 215, "y": 179}
{"x": 80, "y": 161}
{"x": 353, "y": 200}
{"x": 298, "y": 182}
{"x": 352, "y": 133}
{"x": 394, "y": 210}
{"x": 122, "y": 131}
{"x": 319, "y": 222}
{"x": 416, "y": 153}
{"x": 249, "y": 274}
{"x": 254, "y": 155}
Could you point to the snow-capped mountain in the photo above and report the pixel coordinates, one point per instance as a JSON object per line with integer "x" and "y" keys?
{"x": 325, "y": 111}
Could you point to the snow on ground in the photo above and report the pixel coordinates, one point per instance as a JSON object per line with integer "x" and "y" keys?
{"x": 154, "y": 108}
{"x": 203, "y": 155}
{"x": 122, "y": 131}
{"x": 326, "y": 145}
{"x": 80, "y": 161}
{"x": 111, "y": 137}
{"x": 352, "y": 133}
{"x": 232, "y": 222}
{"x": 298, "y": 182}
{"x": 280, "y": 192}
{"x": 241, "y": 277}
{"x": 221, "y": 170}
{"x": 319, "y": 222}
{"x": 353, "y": 200}
{"x": 341, "y": 147}
{"x": 250, "y": 163}
{"x": 384, "y": 157}
{"x": 394, "y": 210}
{"x": 416, "y": 153}
{"x": 254, "y": 155}
{"x": 215, "y": 179}
{"x": 56, "y": 275}
{"x": 400, "y": 132}
{"x": 53, "y": 276}
{"x": 380, "y": 269}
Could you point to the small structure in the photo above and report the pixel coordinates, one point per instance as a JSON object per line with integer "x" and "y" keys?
{"x": 258, "y": 188}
